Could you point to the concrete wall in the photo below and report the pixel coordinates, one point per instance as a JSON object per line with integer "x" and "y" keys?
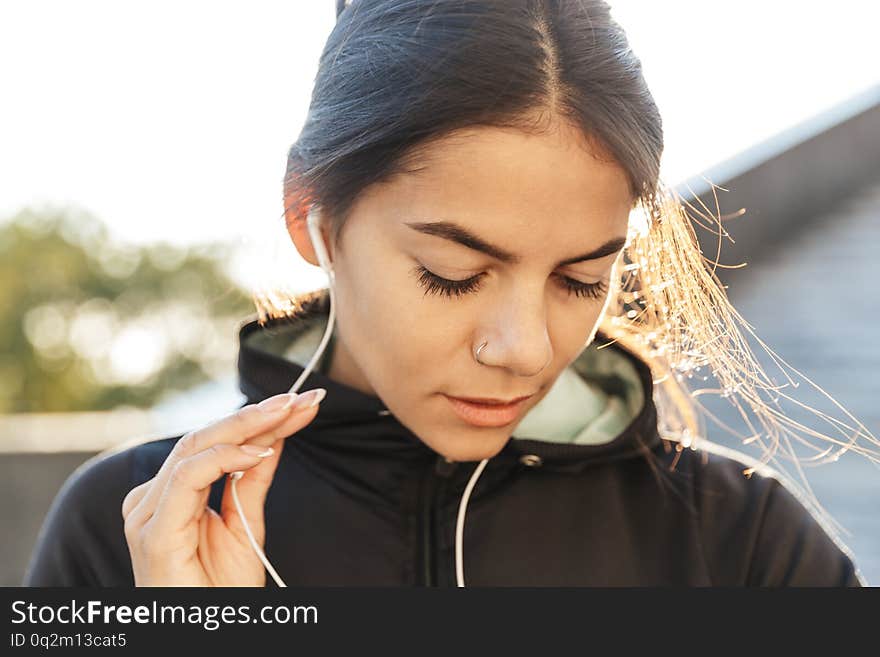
{"x": 790, "y": 181}
{"x": 28, "y": 484}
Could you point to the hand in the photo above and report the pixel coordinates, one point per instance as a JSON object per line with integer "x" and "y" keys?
{"x": 174, "y": 537}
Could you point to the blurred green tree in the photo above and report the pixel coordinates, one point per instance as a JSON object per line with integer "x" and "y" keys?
{"x": 89, "y": 323}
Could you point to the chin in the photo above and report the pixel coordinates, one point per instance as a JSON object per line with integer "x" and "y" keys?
{"x": 473, "y": 450}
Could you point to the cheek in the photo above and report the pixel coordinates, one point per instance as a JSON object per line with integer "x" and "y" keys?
{"x": 397, "y": 336}
{"x": 573, "y": 324}
{"x": 423, "y": 334}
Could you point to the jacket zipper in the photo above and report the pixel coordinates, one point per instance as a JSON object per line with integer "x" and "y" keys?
{"x": 431, "y": 491}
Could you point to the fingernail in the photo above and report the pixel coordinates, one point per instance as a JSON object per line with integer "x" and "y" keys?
{"x": 276, "y": 403}
{"x": 308, "y": 399}
{"x": 256, "y": 450}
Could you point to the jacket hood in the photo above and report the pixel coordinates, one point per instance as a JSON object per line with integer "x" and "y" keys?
{"x": 600, "y": 408}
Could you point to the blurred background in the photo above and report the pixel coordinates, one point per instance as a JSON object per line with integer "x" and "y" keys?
{"x": 142, "y": 149}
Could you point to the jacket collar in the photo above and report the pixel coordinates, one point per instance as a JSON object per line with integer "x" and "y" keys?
{"x": 600, "y": 408}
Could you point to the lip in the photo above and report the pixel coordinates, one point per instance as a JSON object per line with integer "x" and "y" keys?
{"x": 492, "y": 400}
{"x": 486, "y": 415}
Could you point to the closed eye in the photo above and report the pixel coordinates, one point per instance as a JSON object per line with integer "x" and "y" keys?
{"x": 438, "y": 285}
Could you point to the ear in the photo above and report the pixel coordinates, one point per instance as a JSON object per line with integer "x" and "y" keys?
{"x": 295, "y": 218}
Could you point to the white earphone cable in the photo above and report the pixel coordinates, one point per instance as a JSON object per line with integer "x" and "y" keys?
{"x": 459, "y": 525}
{"x": 313, "y": 222}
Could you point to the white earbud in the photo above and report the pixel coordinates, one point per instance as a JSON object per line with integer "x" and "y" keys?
{"x": 313, "y": 223}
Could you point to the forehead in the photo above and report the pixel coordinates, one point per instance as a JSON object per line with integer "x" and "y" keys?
{"x": 507, "y": 148}
{"x": 499, "y": 180}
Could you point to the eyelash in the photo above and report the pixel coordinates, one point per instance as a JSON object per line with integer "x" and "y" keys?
{"x": 434, "y": 284}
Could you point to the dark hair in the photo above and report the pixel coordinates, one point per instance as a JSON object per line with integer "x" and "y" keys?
{"x": 397, "y": 74}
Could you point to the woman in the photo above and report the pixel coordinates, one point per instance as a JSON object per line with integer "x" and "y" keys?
{"x": 520, "y": 303}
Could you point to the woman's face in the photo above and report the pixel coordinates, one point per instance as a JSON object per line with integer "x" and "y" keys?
{"x": 503, "y": 210}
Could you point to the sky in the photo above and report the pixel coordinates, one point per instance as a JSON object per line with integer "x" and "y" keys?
{"x": 171, "y": 120}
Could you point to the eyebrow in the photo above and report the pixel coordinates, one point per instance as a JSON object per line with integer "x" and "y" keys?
{"x": 455, "y": 233}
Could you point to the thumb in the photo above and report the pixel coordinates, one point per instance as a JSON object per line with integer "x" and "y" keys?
{"x": 252, "y": 489}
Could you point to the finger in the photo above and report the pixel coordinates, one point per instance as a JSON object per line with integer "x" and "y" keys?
{"x": 291, "y": 425}
{"x": 252, "y": 489}
{"x": 236, "y": 428}
{"x": 254, "y": 486}
{"x": 184, "y": 494}
{"x": 134, "y": 496}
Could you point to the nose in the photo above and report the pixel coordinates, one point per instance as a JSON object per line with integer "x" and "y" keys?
{"x": 516, "y": 332}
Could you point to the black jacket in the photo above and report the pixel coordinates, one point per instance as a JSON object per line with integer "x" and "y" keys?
{"x": 358, "y": 499}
